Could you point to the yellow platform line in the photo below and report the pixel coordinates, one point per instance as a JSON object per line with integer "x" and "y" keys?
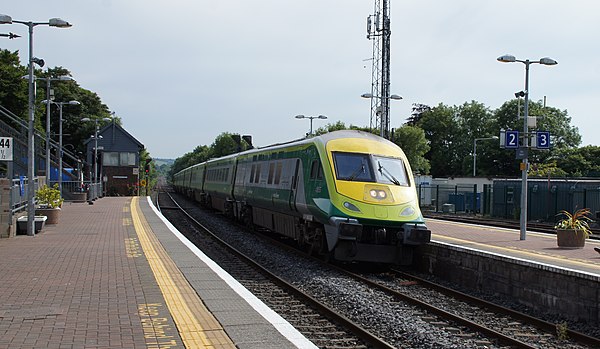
{"x": 196, "y": 325}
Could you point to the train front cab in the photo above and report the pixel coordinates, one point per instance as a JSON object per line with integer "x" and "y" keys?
{"x": 375, "y": 215}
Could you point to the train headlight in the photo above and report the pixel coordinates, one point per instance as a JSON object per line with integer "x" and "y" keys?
{"x": 351, "y": 206}
{"x": 378, "y": 194}
{"x": 408, "y": 211}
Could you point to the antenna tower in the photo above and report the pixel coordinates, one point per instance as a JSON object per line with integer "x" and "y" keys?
{"x": 378, "y": 30}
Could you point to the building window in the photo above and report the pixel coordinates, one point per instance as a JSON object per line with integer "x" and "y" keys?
{"x": 127, "y": 159}
{"x": 110, "y": 158}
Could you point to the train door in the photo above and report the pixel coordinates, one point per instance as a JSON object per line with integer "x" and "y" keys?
{"x": 317, "y": 183}
{"x": 294, "y": 186}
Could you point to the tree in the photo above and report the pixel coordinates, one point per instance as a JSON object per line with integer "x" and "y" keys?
{"x": 441, "y": 130}
{"x": 563, "y": 136}
{"x": 414, "y": 144}
{"x": 337, "y": 126}
{"x": 13, "y": 88}
{"x": 546, "y": 170}
{"x": 416, "y": 114}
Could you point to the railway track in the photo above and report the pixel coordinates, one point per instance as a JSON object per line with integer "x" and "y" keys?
{"x": 321, "y": 325}
{"x": 375, "y": 302}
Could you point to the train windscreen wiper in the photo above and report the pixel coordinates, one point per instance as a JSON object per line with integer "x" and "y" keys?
{"x": 387, "y": 174}
{"x": 358, "y": 171}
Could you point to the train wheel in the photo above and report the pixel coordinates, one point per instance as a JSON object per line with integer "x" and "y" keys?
{"x": 229, "y": 209}
{"x": 246, "y": 215}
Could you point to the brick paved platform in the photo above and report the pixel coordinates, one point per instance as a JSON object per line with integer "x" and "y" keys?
{"x": 91, "y": 281}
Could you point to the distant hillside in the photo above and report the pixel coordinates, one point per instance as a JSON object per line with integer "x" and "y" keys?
{"x": 160, "y": 162}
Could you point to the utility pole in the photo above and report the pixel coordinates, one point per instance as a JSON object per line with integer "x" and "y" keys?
{"x": 378, "y": 30}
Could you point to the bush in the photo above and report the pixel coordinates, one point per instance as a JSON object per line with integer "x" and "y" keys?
{"x": 49, "y": 197}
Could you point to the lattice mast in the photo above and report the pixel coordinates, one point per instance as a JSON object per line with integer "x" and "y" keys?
{"x": 378, "y": 30}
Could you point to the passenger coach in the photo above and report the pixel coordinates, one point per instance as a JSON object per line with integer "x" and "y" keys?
{"x": 348, "y": 194}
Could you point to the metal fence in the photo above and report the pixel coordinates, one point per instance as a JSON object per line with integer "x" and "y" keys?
{"x": 455, "y": 198}
{"x": 74, "y": 190}
{"x": 545, "y": 201}
{"x": 502, "y": 199}
{"x": 19, "y": 190}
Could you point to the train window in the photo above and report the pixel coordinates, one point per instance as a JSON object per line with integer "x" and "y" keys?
{"x": 314, "y": 169}
{"x": 390, "y": 171}
{"x": 252, "y": 173}
{"x": 271, "y": 172}
{"x": 257, "y": 174}
{"x": 278, "y": 172}
{"x": 353, "y": 167}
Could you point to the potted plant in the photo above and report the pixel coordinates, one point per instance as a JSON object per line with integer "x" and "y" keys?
{"x": 49, "y": 202}
{"x": 573, "y": 228}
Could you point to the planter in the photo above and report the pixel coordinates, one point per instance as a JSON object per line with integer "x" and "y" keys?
{"x": 570, "y": 238}
{"x": 79, "y": 197}
{"x": 53, "y": 214}
{"x": 22, "y": 224}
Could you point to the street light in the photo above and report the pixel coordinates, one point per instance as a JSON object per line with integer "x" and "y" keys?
{"x": 95, "y": 136}
{"x": 53, "y": 22}
{"x": 475, "y": 151}
{"x": 47, "y": 101}
{"x": 311, "y": 120}
{"x": 525, "y": 143}
{"x": 384, "y": 119}
{"x": 60, "y": 145}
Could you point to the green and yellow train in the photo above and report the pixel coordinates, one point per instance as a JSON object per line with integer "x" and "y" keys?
{"x": 348, "y": 194}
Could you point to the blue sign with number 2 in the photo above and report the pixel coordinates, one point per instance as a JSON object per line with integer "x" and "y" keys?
{"x": 512, "y": 140}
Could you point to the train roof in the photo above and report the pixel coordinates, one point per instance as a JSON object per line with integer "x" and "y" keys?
{"x": 324, "y": 138}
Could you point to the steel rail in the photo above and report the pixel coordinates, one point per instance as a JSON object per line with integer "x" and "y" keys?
{"x": 360, "y": 332}
{"x": 539, "y": 323}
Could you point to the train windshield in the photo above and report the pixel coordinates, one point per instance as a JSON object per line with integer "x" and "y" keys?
{"x": 353, "y": 167}
{"x": 390, "y": 171}
{"x": 369, "y": 168}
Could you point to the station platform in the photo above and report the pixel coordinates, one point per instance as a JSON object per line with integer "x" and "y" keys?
{"x": 116, "y": 274}
{"x": 537, "y": 247}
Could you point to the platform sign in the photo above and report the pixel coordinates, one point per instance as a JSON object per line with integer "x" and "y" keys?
{"x": 6, "y": 149}
{"x": 542, "y": 139}
{"x": 511, "y": 140}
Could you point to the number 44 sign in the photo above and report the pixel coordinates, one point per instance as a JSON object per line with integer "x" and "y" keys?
{"x": 6, "y": 149}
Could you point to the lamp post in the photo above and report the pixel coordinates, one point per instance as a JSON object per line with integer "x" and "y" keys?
{"x": 60, "y": 145}
{"x": 95, "y": 136}
{"x": 311, "y": 120}
{"x": 47, "y": 102}
{"x": 475, "y": 151}
{"x": 525, "y": 142}
{"x": 53, "y": 22}
{"x": 384, "y": 120}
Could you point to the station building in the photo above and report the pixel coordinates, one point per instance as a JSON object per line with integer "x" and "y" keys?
{"x": 118, "y": 160}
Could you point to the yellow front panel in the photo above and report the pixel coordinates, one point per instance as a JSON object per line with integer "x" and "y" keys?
{"x": 360, "y": 190}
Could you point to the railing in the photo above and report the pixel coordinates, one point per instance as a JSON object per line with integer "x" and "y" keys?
{"x": 75, "y": 190}
{"x": 454, "y": 198}
{"x": 19, "y": 190}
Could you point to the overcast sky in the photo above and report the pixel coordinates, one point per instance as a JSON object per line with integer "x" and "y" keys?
{"x": 180, "y": 72}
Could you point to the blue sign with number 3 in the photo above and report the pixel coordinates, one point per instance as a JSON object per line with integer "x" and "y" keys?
{"x": 543, "y": 139}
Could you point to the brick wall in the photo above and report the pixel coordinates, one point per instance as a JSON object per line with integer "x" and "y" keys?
{"x": 541, "y": 287}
